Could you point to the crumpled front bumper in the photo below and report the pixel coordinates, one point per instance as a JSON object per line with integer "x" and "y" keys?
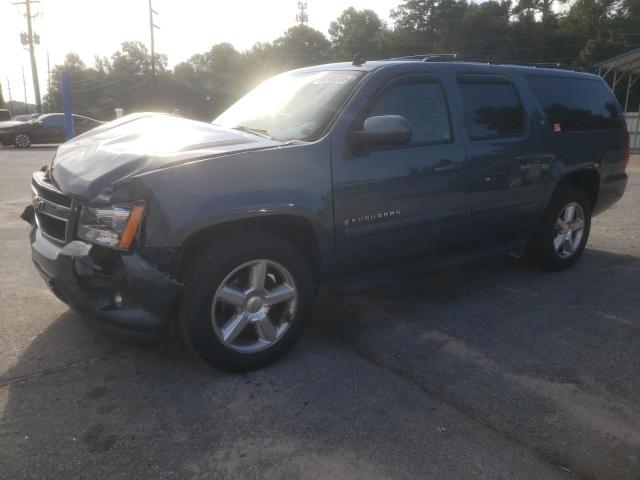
{"x": 122, "y": 290}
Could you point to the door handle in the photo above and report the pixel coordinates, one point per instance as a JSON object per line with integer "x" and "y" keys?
{"x": 445, "y": 166}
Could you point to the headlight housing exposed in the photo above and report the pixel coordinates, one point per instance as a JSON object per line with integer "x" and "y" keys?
{"x": 116, "y": 226}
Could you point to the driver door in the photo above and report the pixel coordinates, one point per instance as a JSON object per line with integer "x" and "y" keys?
{"x": 394, "y": 202}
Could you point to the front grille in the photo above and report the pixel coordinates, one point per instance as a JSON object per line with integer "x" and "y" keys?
{"x": 51, "y": 206}
{"x": 54, "y": 196}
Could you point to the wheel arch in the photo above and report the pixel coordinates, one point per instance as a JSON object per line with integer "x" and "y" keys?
{"x": 585, "y": 179}
{"x": 294, "y": 229}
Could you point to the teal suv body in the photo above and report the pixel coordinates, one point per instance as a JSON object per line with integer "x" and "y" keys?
{"x": 337, "y": 176}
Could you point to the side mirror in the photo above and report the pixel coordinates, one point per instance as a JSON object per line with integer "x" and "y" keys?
{"x": 38, "y": 122}
{"x": 385, "y": 130}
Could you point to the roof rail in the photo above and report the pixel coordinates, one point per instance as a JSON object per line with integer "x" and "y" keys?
{"x": 454, "y": 57}
{"x": 440, "y": 57}
{"x": 428, "y": 57}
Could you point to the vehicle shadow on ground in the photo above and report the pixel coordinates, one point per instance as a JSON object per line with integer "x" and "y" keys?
{"x": 546, "y": 360}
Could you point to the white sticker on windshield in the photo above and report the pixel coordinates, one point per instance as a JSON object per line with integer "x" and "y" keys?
{"x": 336, "y": 79}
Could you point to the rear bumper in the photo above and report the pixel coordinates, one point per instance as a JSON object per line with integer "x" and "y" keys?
{"x": 611, "y": 190}
{"x": 78, "y": 279}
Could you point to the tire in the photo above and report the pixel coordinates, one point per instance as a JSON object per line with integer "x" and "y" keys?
{"x": 22, "y": 140}
{"x": 207, "y": 314}
{"x": 559, "y": 243}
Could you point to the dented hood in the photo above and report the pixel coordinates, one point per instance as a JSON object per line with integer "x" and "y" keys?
{"x": 84, "y": 166}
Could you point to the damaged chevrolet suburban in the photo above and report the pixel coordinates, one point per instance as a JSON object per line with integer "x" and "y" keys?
{"x": 338, "y": 177}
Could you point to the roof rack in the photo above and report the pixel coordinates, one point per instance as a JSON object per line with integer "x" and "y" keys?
{"x": 429, "y": 57}
{"x": 454, "y": 57}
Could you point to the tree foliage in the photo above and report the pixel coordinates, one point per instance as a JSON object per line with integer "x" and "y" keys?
{"x": 579, "y": 34}
{"x": 357, "y": 32}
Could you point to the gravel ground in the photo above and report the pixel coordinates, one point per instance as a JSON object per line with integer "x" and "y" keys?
{"x": 487, "y": 371}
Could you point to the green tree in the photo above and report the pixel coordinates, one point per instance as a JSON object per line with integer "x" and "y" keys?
{"x": 83, "y": 85}
{"x": 300, "y": 46}
{"x": 448, "y": 19}
{"x": 485, "y": 29}
{"x": 133, "y": 58}
{"x": 357, "y": 31}
{"x": 212, "y": 80}
{"x": 544, "y": 7}
{"x": 414, "y": 29}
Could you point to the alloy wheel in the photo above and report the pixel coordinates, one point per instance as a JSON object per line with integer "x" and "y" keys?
{"x": 254, "y": 306}
{"x": 22, "y": 140}
{"x": 569, "y": 229}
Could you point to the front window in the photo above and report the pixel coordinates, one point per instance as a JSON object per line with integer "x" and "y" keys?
{"x": 293, "y": 105}
{"x": 423, "y": 104}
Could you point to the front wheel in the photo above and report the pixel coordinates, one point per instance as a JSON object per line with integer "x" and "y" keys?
{"x": 22, "y": 140}
{"x": 564, "y": 231}
{"x": 245, "y": 302}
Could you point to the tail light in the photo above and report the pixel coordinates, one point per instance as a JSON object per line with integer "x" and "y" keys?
{"x": 627, "y": 148}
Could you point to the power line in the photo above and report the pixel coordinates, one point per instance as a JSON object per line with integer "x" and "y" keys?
{"x": 95, "y": 84}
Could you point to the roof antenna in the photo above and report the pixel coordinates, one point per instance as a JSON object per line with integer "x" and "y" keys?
{"x": 359, "y": 60}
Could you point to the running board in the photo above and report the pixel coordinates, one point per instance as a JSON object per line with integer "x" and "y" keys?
{"x": 395, "y": 273}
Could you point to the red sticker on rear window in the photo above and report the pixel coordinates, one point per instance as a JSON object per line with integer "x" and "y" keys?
{"x": 557, "y": 127}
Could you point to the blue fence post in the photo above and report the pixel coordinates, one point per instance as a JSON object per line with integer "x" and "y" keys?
{"x": 66, "y": 102}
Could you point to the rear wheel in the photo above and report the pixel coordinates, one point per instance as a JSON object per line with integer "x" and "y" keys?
{"x": 244, "y": 305}
{"x": 564, "y": 231}
{"x": 22, "y": 140}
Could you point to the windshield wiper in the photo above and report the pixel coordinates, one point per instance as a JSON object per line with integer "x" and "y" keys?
{"x": 255, "y": 131}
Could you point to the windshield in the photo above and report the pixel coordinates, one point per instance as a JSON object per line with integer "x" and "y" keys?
{"x": 291, "y": 106}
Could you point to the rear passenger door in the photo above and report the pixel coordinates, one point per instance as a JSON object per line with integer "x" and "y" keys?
{"x": 504, "y": 163}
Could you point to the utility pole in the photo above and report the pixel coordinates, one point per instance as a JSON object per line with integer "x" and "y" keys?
{"x": 48, "y": 84}
{"x": 152, "y": 12}
{"x": 24, "y": 87}
{"x": 10, "y": 99}
{"x": 32, "y": 54}
{"x": 302, "y": 16}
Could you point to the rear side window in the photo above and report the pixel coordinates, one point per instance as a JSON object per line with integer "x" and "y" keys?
{"x": 423, "y": 104}
{"x": 576, "y": 104}
{"x": 492, "y": 107}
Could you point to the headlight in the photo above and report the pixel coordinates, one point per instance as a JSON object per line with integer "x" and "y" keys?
{"x": 115, "y": 226}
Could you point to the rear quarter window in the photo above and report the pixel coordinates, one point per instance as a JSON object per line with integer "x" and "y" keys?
{"x": 576, "y": 104}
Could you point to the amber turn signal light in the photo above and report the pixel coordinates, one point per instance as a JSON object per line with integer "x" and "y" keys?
{"x": 133, "y": 224}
